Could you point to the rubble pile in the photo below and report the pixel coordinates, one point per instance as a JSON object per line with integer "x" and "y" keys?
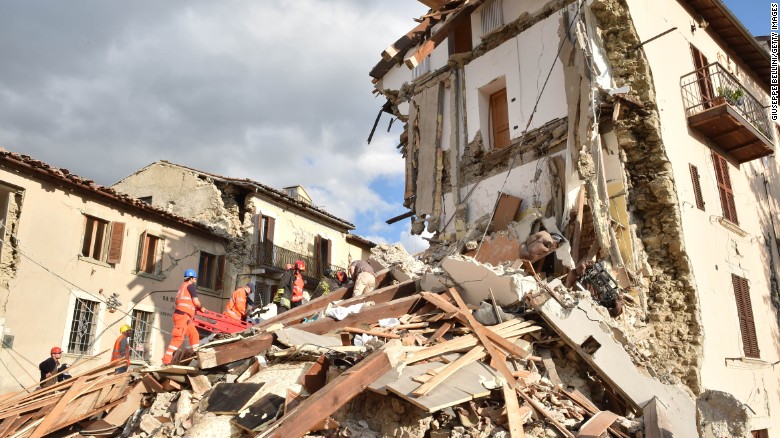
{"x": 471, "y": 351}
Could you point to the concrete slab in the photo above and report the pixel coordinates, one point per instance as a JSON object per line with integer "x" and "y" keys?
{"x": 582, "y": 325}
{"x": 477, "y": 280}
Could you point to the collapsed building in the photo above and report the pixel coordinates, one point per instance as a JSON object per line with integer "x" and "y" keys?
{"x": 638, "y": 131}
{"x": 268, "y": 228}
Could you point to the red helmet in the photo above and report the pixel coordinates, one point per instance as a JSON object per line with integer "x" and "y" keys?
{"x": 341, "y": 276}
{"x": 56, "y": 350}
{"x": 300, "y": 265}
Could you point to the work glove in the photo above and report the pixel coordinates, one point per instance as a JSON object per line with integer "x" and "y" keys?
{"x": 279, "y": 295}
{"x": 284, "y": 302}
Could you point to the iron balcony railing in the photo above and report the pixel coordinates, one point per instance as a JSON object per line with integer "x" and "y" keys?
{"x": 268, "y": 254}
{"x": 713, "y": 85}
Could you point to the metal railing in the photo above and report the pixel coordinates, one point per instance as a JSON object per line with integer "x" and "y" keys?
{"x": 713, "y": 85}
{"x": 268, "y": 254}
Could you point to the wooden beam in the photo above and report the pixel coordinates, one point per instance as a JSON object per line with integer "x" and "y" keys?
{"x": 226, "y": 353}
{"x": 371, "y": 332}
{"x": 656, "y": 423}
{"x": 408, "y": 40}
{"x": 513, "y": 412}
{"x": 540, "y": 408}
{"x": 54, "y": 415}
{"x": 441, "y": 34}
{"x": 434, "y": 4}
{"x": 444, "y": 328}
{"x": 333, "y": 396}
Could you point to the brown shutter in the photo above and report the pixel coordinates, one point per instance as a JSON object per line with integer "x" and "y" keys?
{"x": 499, "y": 117}
{"x": 142, "y": 252}
{"x": 271, "y": 225}
{"x": 747, "y": 325}
{"x": 220, "y": 281}
{"x": 115, "y": 245}
{"x": 724, "y": 188}
{"x": 697, "y": 187}
{"x": 327, "y": 261}
{"x": 703, "y": 74}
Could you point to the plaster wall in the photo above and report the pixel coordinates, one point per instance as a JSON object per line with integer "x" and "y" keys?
{"x": 511, "y": 11}
{"x": 297, "y": 233}
{"x": 50, "y": 273}
{"x": 715, "y": 251}
{"x": 522, "y": 63}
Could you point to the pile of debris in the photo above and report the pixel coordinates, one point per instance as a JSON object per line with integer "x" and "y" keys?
{"x": 471, "y": 352}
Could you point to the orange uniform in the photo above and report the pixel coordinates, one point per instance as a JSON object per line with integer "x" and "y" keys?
{"x": 122, "y": 349}
{"x": 182, "y": 321}
{"x": 297, "y": 287}
{"x": 236, "y": 307}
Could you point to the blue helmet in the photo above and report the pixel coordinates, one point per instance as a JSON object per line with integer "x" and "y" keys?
{"x": 190, "y": 273}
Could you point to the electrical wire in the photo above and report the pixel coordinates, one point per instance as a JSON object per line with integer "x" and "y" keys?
{"x": 531, "y": 118}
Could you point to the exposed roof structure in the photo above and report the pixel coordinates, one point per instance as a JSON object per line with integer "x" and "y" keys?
{"x": 37, "y": 169}
{"x": 272, "y": 193}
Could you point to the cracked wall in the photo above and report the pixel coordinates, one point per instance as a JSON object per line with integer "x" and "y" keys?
{"x": 676, "y": 343}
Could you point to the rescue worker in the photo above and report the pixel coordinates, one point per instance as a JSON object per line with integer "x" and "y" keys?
{"x": 330, "y": 282}
{"x": 187, "y": 302}
{"x": 237, "y": 306}
{"x": 122, "y": 348}
{"x": 290, "y": 292}
{"x": 50, "y": 367}
{"x": 364, "y": 277}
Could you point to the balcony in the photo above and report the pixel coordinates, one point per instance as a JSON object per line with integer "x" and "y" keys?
{"x": 270, "y": 255}
{"x": 718, "y": 106}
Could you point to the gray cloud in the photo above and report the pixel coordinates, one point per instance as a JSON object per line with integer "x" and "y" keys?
{"x": 275, "y": 91}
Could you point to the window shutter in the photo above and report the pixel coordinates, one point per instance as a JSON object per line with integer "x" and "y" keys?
{"x": 271, "y": 225}
{"x": 220, "y": 283}
{"x": 328, "y": 242}
{"x": 141, "y": 262}
{"x": 115, "y": 245}
{"x": 317, "y": 247}
{"x": 697, "y": 187}
{"x": 724, "y": 188}
{"x": 747, "y": 325}
{"x": 259, "y": 227}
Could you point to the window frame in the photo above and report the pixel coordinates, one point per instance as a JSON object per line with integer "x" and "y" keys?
{"x": 76, "y": 295}
{"x": 747, "y": 323}
{"x": 211, "y": 276}
{"x": 111, "y": 241}
{"x": 142, "y": 256}
{"x": 149, "y": 339}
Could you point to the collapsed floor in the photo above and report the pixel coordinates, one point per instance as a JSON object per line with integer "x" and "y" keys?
{"x": 464, "y": 349}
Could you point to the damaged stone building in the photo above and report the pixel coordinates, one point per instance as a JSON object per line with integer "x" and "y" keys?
{"x": 79, "y": 260}
{"x": 268, "y": 228}
{"x": 636, "y": 129}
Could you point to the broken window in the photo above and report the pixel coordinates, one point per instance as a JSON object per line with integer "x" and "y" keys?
{"x": 146, "y": 199}
{"x": 747, "y": 326}
{"x": 210, "y": 271}
{"x": 142, "y": 334}
{"x": 422, "y": 68}
{"x": 83, "y": 326}
{"x": 102, "y": 240}
{"x": 499, "y": 119}
{"x": 724, "y": 188}
{"x": 150, "y": 252}
{"x": 697, "y": 187}
{"x": 492, "y": 16}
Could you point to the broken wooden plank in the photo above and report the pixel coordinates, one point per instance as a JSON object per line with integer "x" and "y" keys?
{"x": 540, "y": 408}
{"x": 314, "y": 378}
{"x": 230, "y": 398}
{"x": 334, "y": 395}
{"x": 376, "y": 333}
{"x": 200, "y": 384}
{"x": 53, "y": 416}
{"x": 513, "y": 412}
{"x": 119, "y": 415}
{"x": 151, "y": 384}
{"x": 223, "y": 354}
{"x": 444, "y": 328}
{"x": 441, "y": 33}
{"x": 597, "y": 424}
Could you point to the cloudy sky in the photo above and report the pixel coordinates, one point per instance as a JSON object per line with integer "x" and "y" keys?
{"x": 276, "y": 91}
